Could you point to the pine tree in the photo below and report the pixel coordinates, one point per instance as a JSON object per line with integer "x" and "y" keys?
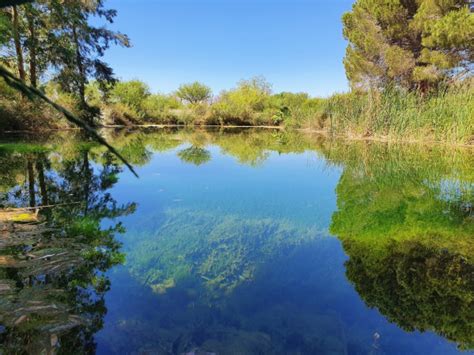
{"x": 412, "y": 43}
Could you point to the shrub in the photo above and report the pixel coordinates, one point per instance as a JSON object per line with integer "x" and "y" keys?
{"x": 119, "y": 113}
{"x": 94, "y": 96}
{"x": 159, "y": 108}
{"x": 244, "y": 105}
{"x": 131, "y": 93}
{"x": 194, "y": 93}
{"x": 295, "y": 109}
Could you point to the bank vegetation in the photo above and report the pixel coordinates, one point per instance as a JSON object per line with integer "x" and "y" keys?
{"x": 409, "y": 66}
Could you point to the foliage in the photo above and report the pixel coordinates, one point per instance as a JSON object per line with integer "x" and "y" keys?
{"x": 101, "y": 70}
{"x": 131, "y": 93}
{"x": 405, "y": 221}
{"x": 55, "y": 296}
{"x": 161, "y": 108}
{"x": 296, "y": 109}
{"x": 245, "y": 105}
{"x": 411, "y": 43}
{"x": 194, "y": 93}
{"x": 418, "y": 286}
{"x": 251, "y": 103}
{"x": 446, "y": 115}
{"x": 94, "y": 95}
{"x": 5, "y": 28}
{"x": 79, "y": 46}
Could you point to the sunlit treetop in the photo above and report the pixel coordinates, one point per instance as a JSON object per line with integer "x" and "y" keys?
{"x": 415, "y": 43}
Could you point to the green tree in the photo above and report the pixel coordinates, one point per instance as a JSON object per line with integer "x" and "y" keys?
{"x": 194, "y": 93}
{"x": 93, "y": 45}
{"x": 245, "y": 104}
{"x": 79, "y": 46}
{"x": 414, "y": 43}
{"x": 131, "y": 93}
{"x": 161, "y": 107}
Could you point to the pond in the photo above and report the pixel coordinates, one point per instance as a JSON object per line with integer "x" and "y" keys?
{"x": 235, "y": 241}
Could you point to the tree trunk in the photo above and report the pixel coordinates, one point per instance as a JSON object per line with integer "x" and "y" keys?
{"x": 87, "y": 180}
{"x": 31, "y": 183}
{"x": 42, "y": 183}
{"x": 32, "y": 47}
{"x": 16, "y": 39}
{"x": 80, "y": 68}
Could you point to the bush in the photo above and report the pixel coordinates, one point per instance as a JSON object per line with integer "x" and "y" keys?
{"x": 160, "y": 108}
{"x": 295, "y": 109}
{"x": 120, "y": 114}
{"x": 131, "y": 93}
{"x": 18, "y": 113}
{"x": 94, "y": 96}
{"x": 67, "y": 100}
{"x": 244, "y": 105}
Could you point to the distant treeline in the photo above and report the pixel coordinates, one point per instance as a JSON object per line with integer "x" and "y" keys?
{"x": 409, "y": 65}
{"x": 392, "y": 113}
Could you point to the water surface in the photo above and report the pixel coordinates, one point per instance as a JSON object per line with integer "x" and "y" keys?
{"x": 238, "y": 242}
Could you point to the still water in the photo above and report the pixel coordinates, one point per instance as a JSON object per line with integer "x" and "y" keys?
{"x": 235, "y": 242}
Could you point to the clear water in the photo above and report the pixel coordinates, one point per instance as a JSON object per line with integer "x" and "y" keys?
{"x": 246, "y": 242}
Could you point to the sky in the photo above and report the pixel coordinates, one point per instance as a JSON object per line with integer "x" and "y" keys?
{"x": 297, "y": 45}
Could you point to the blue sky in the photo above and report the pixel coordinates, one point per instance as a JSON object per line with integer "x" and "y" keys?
{"x": 297, "y": 45}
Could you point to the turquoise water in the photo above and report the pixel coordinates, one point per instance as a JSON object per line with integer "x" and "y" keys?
{"x": 248, "y": 242}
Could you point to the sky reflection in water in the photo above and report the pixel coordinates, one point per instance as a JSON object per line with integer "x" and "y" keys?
{"x": 231, "y": 253}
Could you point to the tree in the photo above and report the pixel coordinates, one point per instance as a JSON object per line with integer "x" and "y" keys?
{"x": 244, "y": 104}
{"x": 132, "y": 93}
{"x": 79, "y": 46}
{"x": 257, "y": 83}
{"x": 194, "y": 93}
{"x": 10, "y": 30}
{"x": 413, "y": 43}
{"x": 16, "y": 40}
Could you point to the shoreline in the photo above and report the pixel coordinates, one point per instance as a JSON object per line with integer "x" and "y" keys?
{"x": 325, "y": 133}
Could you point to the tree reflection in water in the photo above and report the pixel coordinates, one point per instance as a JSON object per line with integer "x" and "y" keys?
{"x": 53, "y": 259}
{"x": 407, "y": 226}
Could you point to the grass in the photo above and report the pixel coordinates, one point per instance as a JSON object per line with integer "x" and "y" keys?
{"x": 446, "y": 116}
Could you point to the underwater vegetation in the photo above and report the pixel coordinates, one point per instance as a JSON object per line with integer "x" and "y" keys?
{"x": 218, "y": 251}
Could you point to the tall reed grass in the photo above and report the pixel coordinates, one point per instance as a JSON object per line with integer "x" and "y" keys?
{"x": 447, "y": 115}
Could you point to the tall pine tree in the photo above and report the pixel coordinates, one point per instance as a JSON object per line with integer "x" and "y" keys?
{"x": 412, "y": 43}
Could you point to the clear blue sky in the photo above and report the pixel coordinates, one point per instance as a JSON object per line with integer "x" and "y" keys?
{"x": 296, "y": 44}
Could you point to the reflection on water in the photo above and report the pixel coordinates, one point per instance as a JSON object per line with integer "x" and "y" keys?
{"x": 408, "y": 230}
{"x": 53, "y": 259}
{"x": 243, "y": 241}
